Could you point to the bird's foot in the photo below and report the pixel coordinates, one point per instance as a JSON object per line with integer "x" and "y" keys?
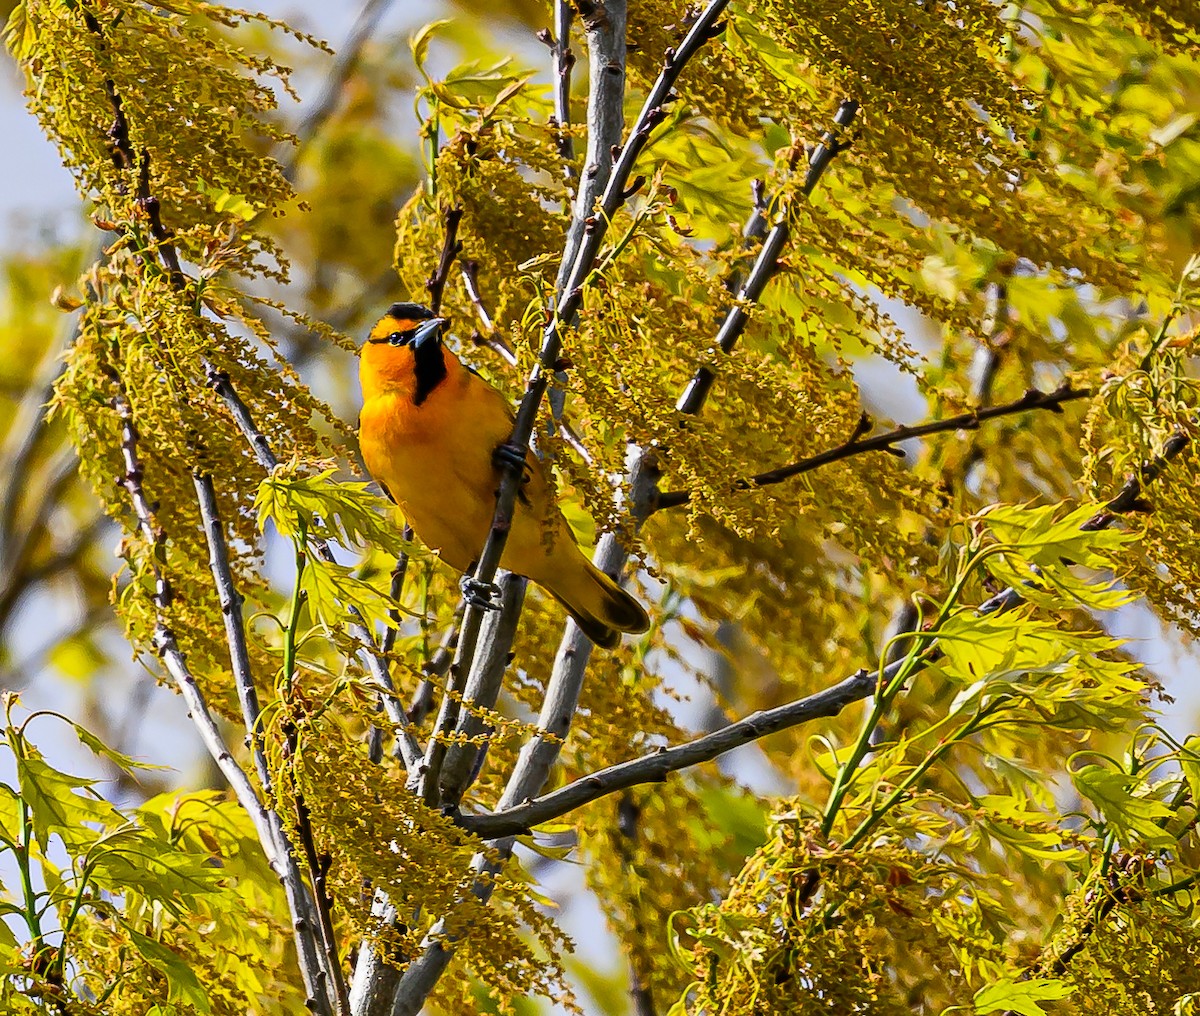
{"x": 508, "y": 455}
{"x": 484, "y": 595}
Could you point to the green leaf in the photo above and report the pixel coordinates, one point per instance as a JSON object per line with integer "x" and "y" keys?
{"x": 1189, "y": 763}
{"x": 56, "y": 804}
{"x": 10, "y": 813}
{"x": 1021, "y": 996}
{"x": 346, "y": 512}
{"x": 1044, "y": 536}
{"x": 1136, "y": 817}
{"x": 133, "y": 859}
{"x": 331, "y": 588}
{"x": 126, "y": 763}
{"x": 182, "y": 983}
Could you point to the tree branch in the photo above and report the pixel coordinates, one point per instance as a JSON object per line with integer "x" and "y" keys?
{"x": 451, "y": 246}
{"x": 562, "y": 60}
{"x": 301, "y": 904}
{"x": 488, "y": 337}
{"x": 173, "y": 659}
{"x": 765, "y": 264}
{"x": 595, "y": 228}
{"x": 654, "y": 768}
{"x": 857, "y": 445}
{"x": 235, "y": 631}
{"x": 521, "y": 816}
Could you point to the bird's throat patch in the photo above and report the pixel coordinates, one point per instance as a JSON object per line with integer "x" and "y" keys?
{"x": 430, "y": 368}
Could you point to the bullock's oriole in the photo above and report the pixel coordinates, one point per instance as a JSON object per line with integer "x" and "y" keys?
{"x": 435, "y": 435}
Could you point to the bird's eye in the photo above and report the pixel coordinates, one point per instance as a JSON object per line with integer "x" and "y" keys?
{"x": 400, "y": 338}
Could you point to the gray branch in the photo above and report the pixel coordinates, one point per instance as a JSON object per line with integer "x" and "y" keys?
{"x": 173, "y": 659}
{"x": 376, "y": 663}
{"x": 604, "y": 28}
{"x": 300, "y": 902}
{"x": 655, "y": 768}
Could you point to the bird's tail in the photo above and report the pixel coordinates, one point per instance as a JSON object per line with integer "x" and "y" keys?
{"x": 600, "y": 607}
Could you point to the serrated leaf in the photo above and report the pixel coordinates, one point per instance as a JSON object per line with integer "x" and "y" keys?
{"x": 182, "y": 983}
{"x": 1021, "y": 996}
{"x": 347, "y": 512}
{"x": 58, "y": 802}
{"x": 1137, "y": 817}
{"x": 126, "y": 763}
{"x": 331, "y": 589}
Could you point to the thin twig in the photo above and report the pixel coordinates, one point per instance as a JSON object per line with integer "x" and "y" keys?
{"x": 562, "y": 60}
{"x": 436, "y": 283}
{"x": 857, "y": 445}
{"x": 488, "y": 337}
{"x": 655, "y": 768}
{"x": 235, "y": 630}
{"x": 318, "y": 870}
{"x": 435, "y": 669}
{"x": 767, "y": 261}
{"x": 629, "y": 816}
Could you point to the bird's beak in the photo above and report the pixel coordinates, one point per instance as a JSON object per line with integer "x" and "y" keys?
{"x": 428, "y": 331}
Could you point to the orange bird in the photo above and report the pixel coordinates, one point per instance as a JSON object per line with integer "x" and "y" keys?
{"x": 434, "y": 435}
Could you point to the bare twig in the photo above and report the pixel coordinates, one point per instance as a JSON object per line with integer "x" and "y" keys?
{"x": 655, "y": 768}
{"x": 299, "y": 900}
{"x": 235, "y": 631}
{"x": 629, "y": 816}
{"x": 488, "y": 337}
{"x": 765, "y": 264}
{"x": 563, "y": 59}
{"x": 436, "y": 283}
{"x": 318, "y": 869}
{"x": 435, "y": 669}
{"x": 523, "y": 816}
{"x": 856, "y": 444}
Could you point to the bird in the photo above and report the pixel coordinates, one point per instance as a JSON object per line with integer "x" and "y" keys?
{"x": 435, "y": 436}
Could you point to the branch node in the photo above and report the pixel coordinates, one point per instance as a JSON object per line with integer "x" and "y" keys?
{"x": 638, "y": 183}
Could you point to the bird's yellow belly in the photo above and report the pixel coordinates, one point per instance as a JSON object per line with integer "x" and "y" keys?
{"x": 446, "y": 488}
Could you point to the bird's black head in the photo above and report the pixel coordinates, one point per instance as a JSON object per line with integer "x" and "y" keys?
{"x": 408, "y": 338}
